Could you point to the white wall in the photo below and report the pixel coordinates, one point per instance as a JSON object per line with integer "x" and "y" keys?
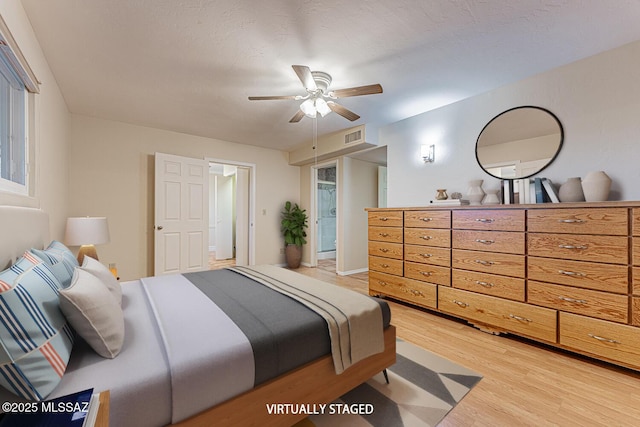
{"x": 597, "y": 100}
{"x": 52, "y": 128}
{"x": 111, "y": 173}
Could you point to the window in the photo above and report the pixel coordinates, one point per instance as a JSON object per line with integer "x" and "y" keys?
{"x": 13, "y": 144}
{"x": 17, "y": 84}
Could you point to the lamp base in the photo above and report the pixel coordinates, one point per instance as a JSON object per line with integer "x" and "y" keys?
{"x": 87, "y": 250}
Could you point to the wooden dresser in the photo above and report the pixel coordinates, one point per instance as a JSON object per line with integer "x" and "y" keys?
{"x": 566, "y": 274}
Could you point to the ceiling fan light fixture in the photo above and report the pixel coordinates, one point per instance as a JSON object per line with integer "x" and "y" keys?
{"x": 322, "y": 107}
{"x": 308, "y": 108}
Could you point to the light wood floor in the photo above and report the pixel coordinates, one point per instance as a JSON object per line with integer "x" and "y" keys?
{"x": 524, "y": 384}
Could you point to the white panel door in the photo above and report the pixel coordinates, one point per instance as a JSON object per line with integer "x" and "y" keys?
{"x": 181, "y": 214}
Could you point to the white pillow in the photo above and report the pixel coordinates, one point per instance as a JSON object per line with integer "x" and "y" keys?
{"x": 96, "y": 268}
{"x": 93, "y": 313}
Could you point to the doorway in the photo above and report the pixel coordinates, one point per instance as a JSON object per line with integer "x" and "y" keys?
{"x": 230, "y": 214}
{"x": 325, "y": 192}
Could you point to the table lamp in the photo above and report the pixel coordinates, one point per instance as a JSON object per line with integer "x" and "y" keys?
{"x": 86, "y": 232}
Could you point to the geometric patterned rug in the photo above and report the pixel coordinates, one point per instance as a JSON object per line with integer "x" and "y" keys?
{"x": 423, "y": 388}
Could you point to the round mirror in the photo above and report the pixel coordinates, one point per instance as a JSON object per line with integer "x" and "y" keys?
{"x": 519, "y": 142}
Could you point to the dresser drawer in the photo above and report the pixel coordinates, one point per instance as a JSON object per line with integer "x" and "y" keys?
{"x": 490, "y": 284}
{"x": 386, "y": 234}
{"x": 635, "y": 224}
{"x": 428, "y": 236}
{"x": 598, "y": 304}
{"x": 385, "y": 218}
{"x": 635, "y": 287}
{"x": 620, "y": 343}
{"x": 520, "y": 318}
{"x": 491, "y": 241}
{"x": 386, "y": 265}
{"x": 635, "y": 311}
{"x": 635, "y": 250}
{"x": 590, "y": 275}
{"x": 387, "y": 250}
{"x": 429, "y": 219}
{"x": 486, "y": 262}
{"x": 499, "y": 219}
{"x": 608, "y": 249}
{"x": 428, "y": 273}
{"x": 413, "y": 291}
{"x": 612, "y": 221}
{"x": 428, "y": 255}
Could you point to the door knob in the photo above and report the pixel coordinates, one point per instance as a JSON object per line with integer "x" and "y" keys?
{"x": 159, "y": 227}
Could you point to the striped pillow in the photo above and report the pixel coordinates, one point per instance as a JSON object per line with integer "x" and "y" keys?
{"x": 35, "y": 340}
{"x": 60, "y": 261}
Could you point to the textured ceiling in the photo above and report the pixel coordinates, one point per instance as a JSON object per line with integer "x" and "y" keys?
{"x": 189, "y": 65}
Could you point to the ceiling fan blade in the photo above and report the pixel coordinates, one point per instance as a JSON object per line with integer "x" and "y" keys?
{"x": 298, "y": 116}
{"x": 339, "y": 109}
{"x": 305, "y": 76}
{"x": 356, "y": 91}
{"x": 270, "y": 98}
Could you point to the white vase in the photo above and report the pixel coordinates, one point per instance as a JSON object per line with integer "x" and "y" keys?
{"x": 596, "y": 186}
{"x": 492, "y": 197}
{"x": 571, "y": 191}
{"x": 475, "y": 194}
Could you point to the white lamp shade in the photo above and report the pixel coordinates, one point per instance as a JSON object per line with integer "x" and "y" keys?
{"x": 86, "y": 231}
{"x": 322, "y": 107}
{"x": 308, "y": 108}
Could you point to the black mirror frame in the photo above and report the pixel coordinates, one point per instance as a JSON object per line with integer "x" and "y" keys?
{"x": 517, "y": 108}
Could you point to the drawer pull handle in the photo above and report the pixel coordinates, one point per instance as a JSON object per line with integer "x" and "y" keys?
{"x": 426, "y": 255}
{"x": 426, "y": 219}
{"x": 382, "y": 283}
{"x": 383, "y": 234}
{"x": 483, "y": 262}
{"x": 520, "y": 318}
{"x": 384, "y": 218}
{"x": 485, "y": 284}
{"x": 384, "y": 250}
{"x": 426, "y": 273}
{"x": 426, "y": 237}
{"x": 461, "y": 303}
{"x": 573, "y": 247}
{"x": 609, "y": 340}
{"x": 416, "y": 293}
{"x": 571, "y": 273}
{"x": 384, "y": 265}
{"x": 571, "y": 221}
{"x": 573, "y": 300}
{"x": 486, "y": 220}
{"x": 486, "y": 242}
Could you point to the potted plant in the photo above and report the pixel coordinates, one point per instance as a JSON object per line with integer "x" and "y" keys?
{"x": 294, "y": 221}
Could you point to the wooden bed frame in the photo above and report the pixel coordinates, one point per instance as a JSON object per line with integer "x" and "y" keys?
{"x": 315, "y": 382}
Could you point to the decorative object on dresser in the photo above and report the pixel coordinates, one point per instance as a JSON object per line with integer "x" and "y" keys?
{"x": 86, "y": 232}
{"x": 571, "y": 191}
{"x": 475, "y": 193}
{"x": 565, "y": 274}
{"x": 491, "y": 197}
{"x": 596, "y": 186}
{"x": 441, "y": 194}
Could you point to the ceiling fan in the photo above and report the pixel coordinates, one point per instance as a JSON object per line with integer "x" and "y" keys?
{"x": 319, "y": 99}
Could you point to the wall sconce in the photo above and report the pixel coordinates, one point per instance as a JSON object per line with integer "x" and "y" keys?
{"x": 428, "y": 153}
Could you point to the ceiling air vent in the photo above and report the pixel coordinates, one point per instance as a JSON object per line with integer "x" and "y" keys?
{"x": 353, "y": 137}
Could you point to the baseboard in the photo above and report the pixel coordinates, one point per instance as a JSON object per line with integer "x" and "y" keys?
{"x": 350, "y": 272}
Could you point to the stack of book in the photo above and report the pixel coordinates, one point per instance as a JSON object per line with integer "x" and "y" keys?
{"x": 528, "y": 190}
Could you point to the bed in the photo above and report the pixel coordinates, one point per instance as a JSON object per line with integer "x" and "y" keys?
{"x": 155, "y": 380}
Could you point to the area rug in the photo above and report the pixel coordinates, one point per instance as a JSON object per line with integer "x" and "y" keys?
{"x": 423, "y": 387}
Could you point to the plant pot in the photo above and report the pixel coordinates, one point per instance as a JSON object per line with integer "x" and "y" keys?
{"x": 293, "y": 255}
